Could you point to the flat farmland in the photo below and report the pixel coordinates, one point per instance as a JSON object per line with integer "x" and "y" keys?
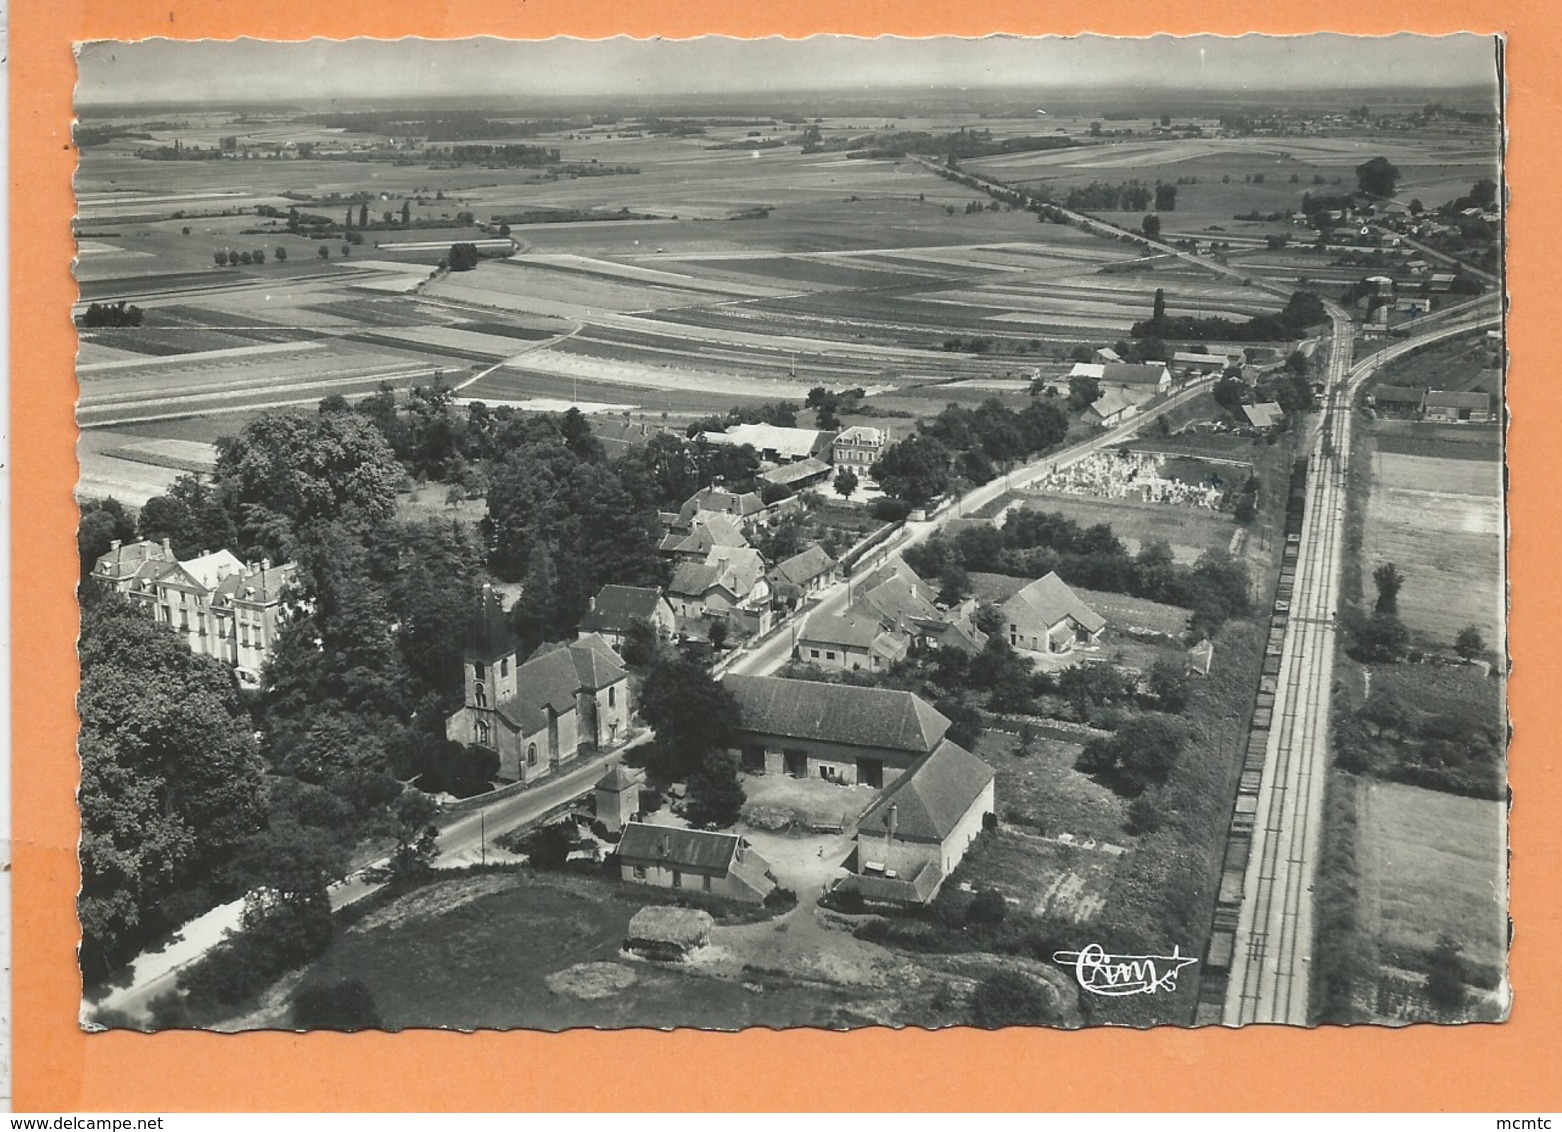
{"x": 1440, "y": 521}
{"x": 219, "y": 381}
{"x": 133, "y": 468}
{"x": 1431, "y": 863}
{"x": 1045, "y": 877}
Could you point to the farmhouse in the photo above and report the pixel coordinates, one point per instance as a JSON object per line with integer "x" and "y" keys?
{"x": 745, "y": 509}
{"x": 917, "y": 832}
{"x": 1205, "y": 363}
{"x": 858, "y": 448}
{"x": 835, "y": 731}
{"x": 1048, "y": 617}
{"x": 730, "y": 584}
{"x": 805, "y": 573}
{"x": 616, "y": 607}
{"x": 1265, "y": 414}
{"x": 222, "y": 607}
{"x": 1115, "y": 406}
{"x": 1398, "y": 401}
{"x": 1122, "y": 375}
{"x": 899, "y": 599}
{"x": 1445, "y": 406}
{"x": 774, "y": 443}
{"x": 803, "y": 474}
{"x": 564, "y": 701}
{"x": 848, "y": 641}
{"x": 705, "y": 532}
{"x": 722, "y": 864}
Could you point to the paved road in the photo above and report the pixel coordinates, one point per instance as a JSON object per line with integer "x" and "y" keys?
{"x": 773, "y": 652}
{"x": 462, "y": 841}
{"x": 1274, "y": 938}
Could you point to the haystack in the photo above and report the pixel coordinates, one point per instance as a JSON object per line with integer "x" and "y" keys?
{"x": 664, "y": 932}
{"x": 591, "y": 980}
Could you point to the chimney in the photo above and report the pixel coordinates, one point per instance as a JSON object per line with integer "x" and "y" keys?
{"x": 591, "y": 604}
{"x": 166, "y": 548}
{"x": 204, "y": 552}
{"x": 113, "y": 544}
{"x": 265, "y": 563}
{"x": 889, "y": 832}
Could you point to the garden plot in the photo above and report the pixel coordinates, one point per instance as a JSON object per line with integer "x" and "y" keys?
{"x": 1440, "y": 521}
{"x": 634, "y": 273}
{"x": 511, "y": 286}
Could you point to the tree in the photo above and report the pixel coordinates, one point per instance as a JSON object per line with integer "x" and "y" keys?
{"x": 346, "y": 1004}
{"x": 102, "y": 521}
{"x": 416, "y": 836}
{"x": 1159, "y": 310}
{"x": 1377, "y": 177}
{"x": 715, "y": 793}
{"x": 1151, "y": 227}
{"x": 845, "y": 483}
{"x": 1165, "y": 198}
{"x": 324, "y": 252}
{"x": 1083, "y": 391}
{"x": 406, "y": 213}
{"x": 171, "y": 779}
{"x": 691, "y": 713}
{"x": 916, "y": 469}
{"x": 363, "y": 215}
{"x": 1138, "y": 755}
{"x": 1167, "y": 682}
{"x": 259, "y": 255}
{"x": 280, "y": 255}
{"x": 642, "y": 639}
{"x": 1381, "y": 638}
{"x": 1468, "y": 643}
{"x": 1484, "y": 194}
{"x": 220, "y": 257}
{"x": 1012, "y": 998}
{"x": 718, "y": 633}
{"x": 1388, "y": 580}
{"x": 1445, "y": 977}
{"x": 462, "y": 257}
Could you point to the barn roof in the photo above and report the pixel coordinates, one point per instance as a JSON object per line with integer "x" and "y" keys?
{"x": 837, "y": 713}
{"x": 932, "y": 797}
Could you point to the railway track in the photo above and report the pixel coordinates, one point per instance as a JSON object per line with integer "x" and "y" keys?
{"x": 1258, "y": 960}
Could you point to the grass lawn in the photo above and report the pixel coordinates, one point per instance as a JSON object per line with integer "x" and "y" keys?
{"x": 1459, "y": 689}
{"x": 477, "y": 952}
{"x": 1189, "y": 530}
{"x": 1044, "y": 792}
{"x": 1046, "y": 878}
{"x": 427, "y": 501}
{"x": 1431, "y": 863}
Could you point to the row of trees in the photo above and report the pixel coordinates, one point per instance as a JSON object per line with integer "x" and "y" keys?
{"x": 119, "y": 314}
{"x": 1302, "y": 310}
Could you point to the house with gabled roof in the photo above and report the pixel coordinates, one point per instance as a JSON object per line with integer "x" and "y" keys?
{"x": 903, "y": 603}
{"x": 839, "y": 732}
{"x": 849, "y": 642}
{"x": 777, "y": 444}
{"x": 1397, "y": 400}
{"x": 694, "y": 860}
{"x": 916, "y": 833}
{"x": 802, "y": 575}
{"x": 1048, "y": 617}
{"x": 615, "y": 608}
{"x": 694, "y": 540}
{"x": 1442, "y": 405}
{"x": 565, "y": 700}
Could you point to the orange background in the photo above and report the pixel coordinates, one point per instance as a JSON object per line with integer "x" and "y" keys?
{"x": 1512, "y": 1067}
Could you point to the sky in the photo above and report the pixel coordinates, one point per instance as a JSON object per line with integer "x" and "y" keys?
{"x": 161, "y": 70}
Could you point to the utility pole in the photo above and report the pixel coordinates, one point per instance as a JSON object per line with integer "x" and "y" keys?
{"x": 482, "y": 834}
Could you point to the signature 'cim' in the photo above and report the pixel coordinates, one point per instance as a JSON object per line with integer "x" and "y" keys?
{"x": 1101, "y": 973}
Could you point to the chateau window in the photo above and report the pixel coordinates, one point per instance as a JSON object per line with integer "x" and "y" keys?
{"x": 504, "y": 667}
{"x": 184, "y": 618}
{"x": 707, "y": 884}
{"x": 479, "y": 669}
{"x": 612, "y": 697}
{"x": 244, "y": 635}
{"x": 480, "y": 729}
{"x": 531, "y": 754}
{"x": 479, "y": 694}
{"x": 639, "y": 872}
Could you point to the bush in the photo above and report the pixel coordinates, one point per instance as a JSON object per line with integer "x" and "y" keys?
{"x": 781, "y": 899}
{"x": 549, "y": 847}
{"x": 1009, "y": 998}
{"x": 890, "y": 510}
{"x": 346, "y": 1004}
{"x": 987, "y": 907}
{"x": 848, "y": 900}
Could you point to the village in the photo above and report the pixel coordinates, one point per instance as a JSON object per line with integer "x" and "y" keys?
{"x": 911, "y": 560}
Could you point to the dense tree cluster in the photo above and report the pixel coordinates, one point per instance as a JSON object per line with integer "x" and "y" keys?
{"x": 1460, "y": 752}
{"x": 1303, "y": 310}
{"x": 969, "y": 445}
{"x": 118, "y": 314}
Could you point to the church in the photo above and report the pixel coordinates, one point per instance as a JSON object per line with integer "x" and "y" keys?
{"x": 564, "y": 701}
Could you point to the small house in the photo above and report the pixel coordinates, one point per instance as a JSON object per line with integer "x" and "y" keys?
{"x": 1446, "y": 406}
{"x": 615, "y": 608}
{"x": 697, "y": 860}
{"x": 1048, "y": 617}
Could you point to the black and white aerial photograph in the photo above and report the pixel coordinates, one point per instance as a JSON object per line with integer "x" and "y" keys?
{"x": 834, "y": 533}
